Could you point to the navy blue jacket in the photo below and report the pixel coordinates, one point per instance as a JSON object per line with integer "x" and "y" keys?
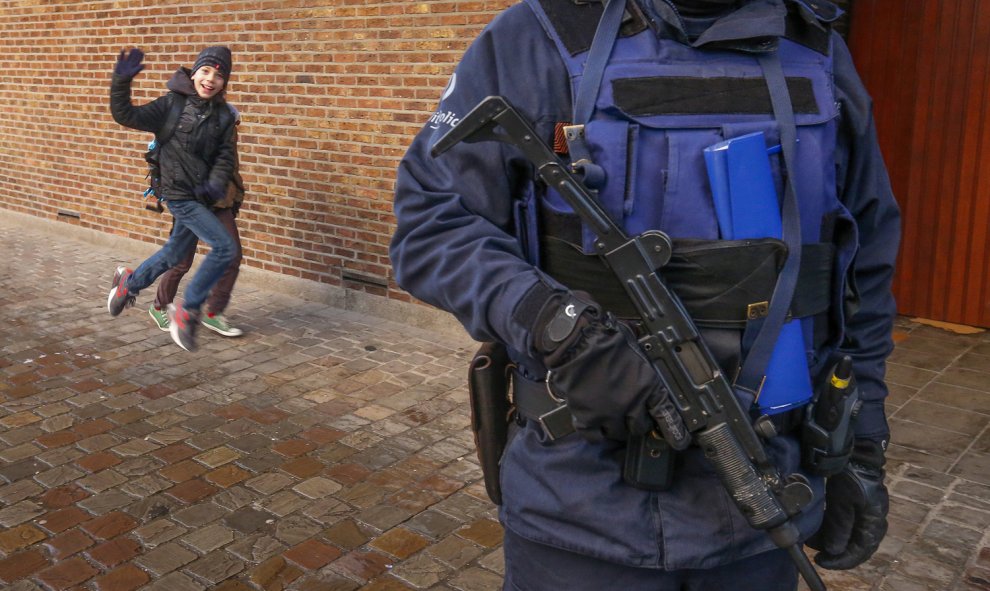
{"x": 456, "y": 247}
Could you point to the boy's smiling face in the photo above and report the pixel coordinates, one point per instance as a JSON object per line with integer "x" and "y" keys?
{"x": 208, "y": 82}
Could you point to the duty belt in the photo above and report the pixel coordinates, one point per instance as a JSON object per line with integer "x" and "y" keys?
{"x": 534, "y": 402}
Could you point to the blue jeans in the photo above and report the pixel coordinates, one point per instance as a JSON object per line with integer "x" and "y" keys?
{"x": 534, "y": 567}
{"x": 193, "y": 221}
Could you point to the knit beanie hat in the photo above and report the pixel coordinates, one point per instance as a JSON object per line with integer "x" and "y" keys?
{"x": 216, "y": 56}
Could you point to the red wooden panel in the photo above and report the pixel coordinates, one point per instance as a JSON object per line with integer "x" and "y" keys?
{"x": 927, "y": 65}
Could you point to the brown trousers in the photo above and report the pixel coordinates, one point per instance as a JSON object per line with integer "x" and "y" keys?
{"x": 168, "y": 283}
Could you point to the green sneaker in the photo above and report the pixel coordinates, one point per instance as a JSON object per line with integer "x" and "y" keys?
{"x": 217, "y": 323}
{"x": 160, "y": 317}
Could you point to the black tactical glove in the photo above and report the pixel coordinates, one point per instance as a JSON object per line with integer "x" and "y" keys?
{"x": 594, "y": 362}
{"x": 129, "y": 63}
{"x": 856, "y": 505}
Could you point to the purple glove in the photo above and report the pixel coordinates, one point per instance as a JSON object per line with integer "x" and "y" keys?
{"x": 208, "y": 194}
{"x": 129, "y": 65}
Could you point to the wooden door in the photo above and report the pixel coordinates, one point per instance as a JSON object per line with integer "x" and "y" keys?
{"x": 927, "y": 65}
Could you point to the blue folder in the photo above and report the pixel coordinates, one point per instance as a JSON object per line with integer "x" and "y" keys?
{"x": 746, "y": 206}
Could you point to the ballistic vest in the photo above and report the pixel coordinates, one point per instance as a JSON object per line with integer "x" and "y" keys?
{"x": 660, "y": 103}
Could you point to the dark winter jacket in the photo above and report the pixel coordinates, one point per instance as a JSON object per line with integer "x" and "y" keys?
{"x": 203, "y": 148}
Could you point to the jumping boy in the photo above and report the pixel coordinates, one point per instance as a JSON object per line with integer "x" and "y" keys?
{"x": 197, "y": 164}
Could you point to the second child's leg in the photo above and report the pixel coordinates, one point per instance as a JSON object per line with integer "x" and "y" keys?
{"x": 168, "y": 286}
{"x": 220, "y": 295}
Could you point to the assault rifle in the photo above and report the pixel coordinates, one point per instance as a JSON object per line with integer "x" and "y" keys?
{"x": 703, "y": 395}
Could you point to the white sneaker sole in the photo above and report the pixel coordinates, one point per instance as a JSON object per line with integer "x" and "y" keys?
{"x": 233, "y": 332}
{"x": 113, "y": 290}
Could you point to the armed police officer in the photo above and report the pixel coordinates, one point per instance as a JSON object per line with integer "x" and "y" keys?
{"x": 632, "y": 94}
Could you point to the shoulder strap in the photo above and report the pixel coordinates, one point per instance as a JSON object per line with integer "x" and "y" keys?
{"x": 753, "y": 369}
{"x": 172, "y": 119}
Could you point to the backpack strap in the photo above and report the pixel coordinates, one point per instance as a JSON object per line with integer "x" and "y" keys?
{"x": 171, "y": 120}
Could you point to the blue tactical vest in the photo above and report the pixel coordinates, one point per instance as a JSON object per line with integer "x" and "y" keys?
{"x": 660, "y": 104}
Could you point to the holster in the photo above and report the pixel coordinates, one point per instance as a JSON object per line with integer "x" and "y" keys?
{"x": 488, "y": 387}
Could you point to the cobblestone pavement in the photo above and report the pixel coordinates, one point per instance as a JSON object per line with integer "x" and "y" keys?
{"x": 329, "y": 450}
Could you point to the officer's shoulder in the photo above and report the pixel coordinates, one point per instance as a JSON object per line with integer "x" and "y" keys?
{"x": 809, "y": 23}
{"x": 575, "y": 21}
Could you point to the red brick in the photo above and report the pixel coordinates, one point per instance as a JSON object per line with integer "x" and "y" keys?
{"x": 176, "y": 452}
{"x": 68, "y": 573}
{"x": 227, "y": 476}
{"x": 304, "y": 467}
{"x": 294, "y": 447}
{"x": 63, "y": 496}
{"x": 67, "y": 544}
{"x": 57, "y": 439}
{"x": 18, "y": 566}
{"x": 232, "y": 585}
{"x": 191, "y": 491}
{"x": 268, "y": 416}
{"x": 156, "y": 391}
{"x": 232, "y": 412}
{"x": 322, "y": 435}
{"x": 183, "y": 471}
{"x": 110, "y": 554}
{"x": 125, "y": 578}
{"x": 110, "y": 525}
{"x": 312, "y": 554}
{"x": 62, "y": 519}
{"x": 94, "y": 427}
{"x": 98, "y": 461}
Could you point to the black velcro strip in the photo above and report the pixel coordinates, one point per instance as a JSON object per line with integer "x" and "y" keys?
{"x": 704, "y": 96}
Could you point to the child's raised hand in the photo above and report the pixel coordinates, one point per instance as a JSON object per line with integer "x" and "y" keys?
{"x": 129, "y": 63}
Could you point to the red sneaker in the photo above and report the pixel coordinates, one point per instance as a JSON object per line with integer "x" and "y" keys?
{"x": 120, "y": 297}
{"x": 182, "y": 325}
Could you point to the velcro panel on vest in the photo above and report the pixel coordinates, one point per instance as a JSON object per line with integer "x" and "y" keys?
{"x": 678, "y": 95}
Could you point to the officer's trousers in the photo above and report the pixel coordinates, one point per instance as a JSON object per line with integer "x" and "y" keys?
{"x": 535, "y": 567}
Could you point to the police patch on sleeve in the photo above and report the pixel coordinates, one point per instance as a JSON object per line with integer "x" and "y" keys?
{"x": 444, "y": 116}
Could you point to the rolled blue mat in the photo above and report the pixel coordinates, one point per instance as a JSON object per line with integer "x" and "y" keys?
{"x": 746, "y": 206}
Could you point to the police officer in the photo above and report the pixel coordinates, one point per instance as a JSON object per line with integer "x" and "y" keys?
{"x": 479, "y": 236}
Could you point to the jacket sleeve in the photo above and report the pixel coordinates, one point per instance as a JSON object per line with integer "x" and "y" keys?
{"x": 455, "y": 243}
{"x": 149, "y": 117}
{"x": 865, "y": 190}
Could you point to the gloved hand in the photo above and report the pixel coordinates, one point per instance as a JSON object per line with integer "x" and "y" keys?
{"x": 208, "y": 193}
{"x": 596, "y": 364}
{"x": 856, "y": 505}
{"x": 129, "y": 65}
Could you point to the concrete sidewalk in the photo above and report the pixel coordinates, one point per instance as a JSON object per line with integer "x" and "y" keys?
{"x": 331, "y": 450}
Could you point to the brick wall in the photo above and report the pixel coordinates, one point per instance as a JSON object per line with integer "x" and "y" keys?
{"x": 331, "y": 93}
